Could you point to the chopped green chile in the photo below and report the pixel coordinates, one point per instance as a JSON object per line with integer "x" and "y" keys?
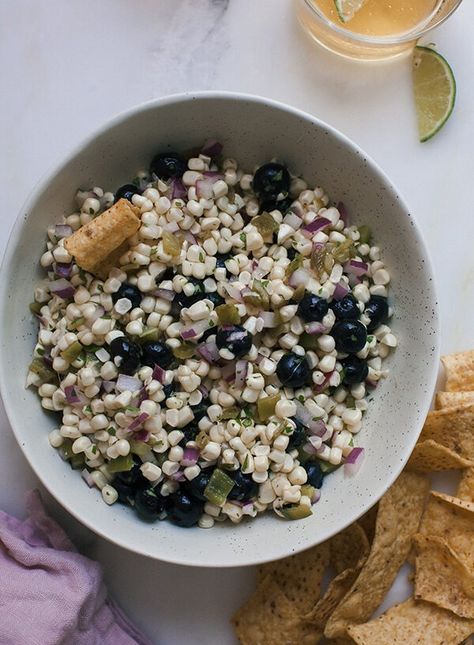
{"x": 266, "y": 406}
{"x": 35, "y": 307}
{"x": 365, "y": 234}
{"x": 230, "y": 413}
{"x": 265, "y": 224}
{"x": 297, "y": 512}
{"x": 228, "y": 314}
{"x": 121, "y": 464}
{"x": 150, "y": 334}
{"x": 72, "y": 352}
{"x": 295, "y": 264}
{"x": 185, "y": 350}
{"x": 172, "y": 243}
{"x": 139, "y": 448}
{"x": 47, "y": 375}
{"x": 219, "y": 487}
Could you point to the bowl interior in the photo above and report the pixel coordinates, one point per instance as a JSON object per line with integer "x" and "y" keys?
{"x": 253, "y": 131}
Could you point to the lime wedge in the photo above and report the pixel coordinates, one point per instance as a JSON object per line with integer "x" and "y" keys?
{"x": 346, "y": 9}
{"x": 435, "y": 91}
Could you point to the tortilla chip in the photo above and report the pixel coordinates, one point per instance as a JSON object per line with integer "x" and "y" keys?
{"x": 452, "y": 428}
{"x": 349, "y": 551}
{"x": 111, "y": 261}
{"x": 430, "y": 455}
{"x": 442, "y": 578}
{"x": 398, "y": 517}
{"x": 459, "y": 370}
{"x": 413, "y": 622}
{"x": 466, "y": 486}
{"x": 453, "y": 399}
{"x": 299, "y": 576}
{"x": 452, "y": 520}
{"x": 93, "y": 243}
{"x": 269, "y": 618}
{"x": 368, "y": 521}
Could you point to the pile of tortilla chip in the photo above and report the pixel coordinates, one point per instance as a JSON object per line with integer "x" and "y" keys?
{"x": 431, "y": 530}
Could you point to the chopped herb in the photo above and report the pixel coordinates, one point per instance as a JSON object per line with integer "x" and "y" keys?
{"x": 40, "y": 351}
{"x": 301, "y": 398}
{"x": 94, "y": 449}
{"x": 370, "y": 339}
{"x": 243, "y": 237}
{"x": 111, "y": 431}
{"x": 132, "y": 408}
{"x": 246, "y": 422}
{"x": 246, "y": 462}
{"x": 201, "y": 257}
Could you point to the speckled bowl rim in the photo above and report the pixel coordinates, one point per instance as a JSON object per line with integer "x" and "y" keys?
{"x": 15, "y": 236}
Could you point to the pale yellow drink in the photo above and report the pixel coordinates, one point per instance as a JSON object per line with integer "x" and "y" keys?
{"x": 379, "y": 29}
{"x": 382, "y": 17}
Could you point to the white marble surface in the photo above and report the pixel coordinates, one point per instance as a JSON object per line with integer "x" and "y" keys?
{"x": 69, "y": 66}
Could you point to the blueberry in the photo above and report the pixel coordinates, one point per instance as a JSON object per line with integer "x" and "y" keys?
{"x": 244, "y": 487}
{"x": 215, "y": 298}
{"x": 200, "y": 410}
{"x": 190, "y": 433}
{"x": 184, "y": 510}
{"x": 355, "y": 370}
{"x": 298, "y": 437}
{"x": 346, "y": 308}
{"x": 283, "y": 205}
{"x": 197, "y": 486}
{"x": 167, "y": 165}
{"x": 271, "y": 181}
{"x": 312, "y": 308}
{"x": 315, "y": 474}
{"x": 234, "y": 338}
{"x": 293, "y": 371}
{"x": 129, "y": 291}
{"x": 377, "y": 310}
{"x": 156, "y": 353}
{"x": 168, "y": 390}
{"x": 149, "y": 504}
{"x": 128, "y": 351}
{"x": 126, "y": 192}
{"x": 183, "y": 300}
{"x": 221, "y": 259}
{"x": 128, "y": 482}
{"x": 350, "y": 336}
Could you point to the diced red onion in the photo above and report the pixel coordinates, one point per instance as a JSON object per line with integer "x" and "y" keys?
{"x": 247, "y": 507}
{"x": 215, "y": 175}
{"x": 209, "y": 352}
{"x": 108, "y": 386}
{"x": 164, "y": 294}
{"x": 137, "y": 422}
{"x": 204, "y": 391}
{"x": 310, "y": 449}
{"x": 298, "y": 208}
{"x": 241, "y": 371}
{"x": 292, "y": 219}
{"x": 62, "y": 288}
{"x": 63, "y": 270}
{"x": 71, "y": 395}
{"x": 159, "y": 374}
{"x": 228, "y": 371}
{"x": 142, "y": 396}
{"x": 177, "y": 189}
{"x": 340, "y": 291}
{"x": 233, "y": 292}
{"x": 356, "y": 267}
{"x": 204, "y": 188}
{"x": 316, "y": 496}
{"x": 322, "y": 386}
{"x": 298, "y": 278}
{"x": 98, "y": 313}
{"x": 194, "y": 330}
{"x": 371, "y": 383}
{"x": 212, "y": 148}
{"x": 87, "y": 477}
{"x": 190, "y": 457}
{"x": 141, "y": 435}
{"x": 127, "y": 383}
{"x": 341, "y": 207}
{"x": 317, "y": 225}
{"x": 315, "y": 327}
{"x": 315, "y": 441}
{"x": 63, "y": 230}
{"x": 269, "y": 319}
{"x": 189, "y": 237}
{"x": 354, "y": 461}
{"x": 178, "y": 476}
{"x": 353, "y": 280}
{"x": 315, "y": 427}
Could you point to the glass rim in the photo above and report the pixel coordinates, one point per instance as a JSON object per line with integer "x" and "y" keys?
{"x": 379, "y": 40}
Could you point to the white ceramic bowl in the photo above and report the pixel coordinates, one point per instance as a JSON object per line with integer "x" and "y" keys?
{"x": 253, "y": 131}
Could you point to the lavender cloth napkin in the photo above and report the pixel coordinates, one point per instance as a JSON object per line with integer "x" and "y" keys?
{"x": 49, "y": 593}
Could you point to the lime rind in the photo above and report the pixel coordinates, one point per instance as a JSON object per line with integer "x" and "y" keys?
{"x": 346, "y": 9}
{"x": 422, "y": 89}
